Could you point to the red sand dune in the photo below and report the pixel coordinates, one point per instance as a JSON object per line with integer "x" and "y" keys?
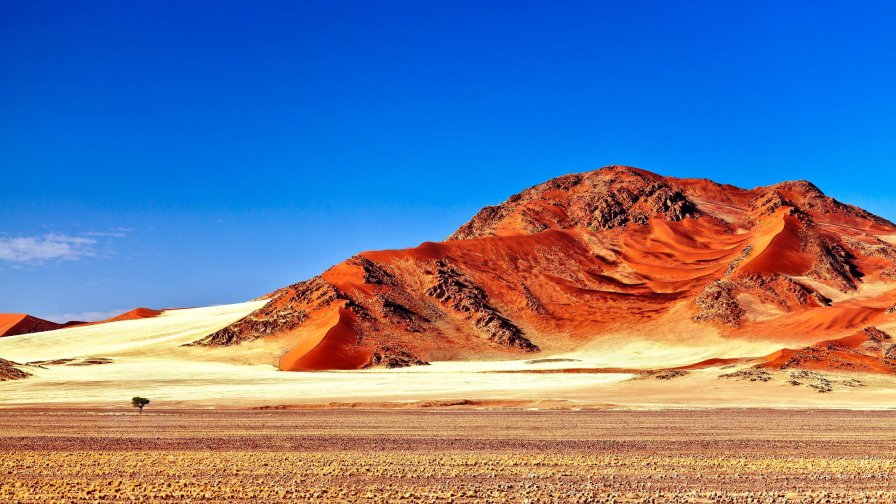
{"x": 335, "y": 349}
{"x": 136, "y": 313}
{"x": 583, "y": 258}
{"x": 13, "y": 324}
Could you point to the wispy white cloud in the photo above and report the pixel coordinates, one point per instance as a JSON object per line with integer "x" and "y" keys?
{"x": 22, "y": 250}
{"x": 25, "y": 249}
{"x": 118, "y": 232}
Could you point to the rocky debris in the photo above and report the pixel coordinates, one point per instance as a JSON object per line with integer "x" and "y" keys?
{"x": 749, "y": 374}
{"x": 804, "y": 196}
{"x": 612, "y": 204}
{"x": 669, "y": 374}
{"x": 284, "y": 312}
{"x": 530, "y": 223}
{"x": 9, "y": 370}
{"x": 875, "y": 335}
{"x": 821, "y": 383}
{"x": 392, "y": 358}
{"x": 833, "y": 264}
{"x": 52, "y": 362}
{"x": 732, "y": 266}
{"x": 769, "y": 202}
{"x": 608, "y": 198}
{"x": 890, "y": 355}
{"x": 718, "y": 303}
{"x": 255, "y": 325}
{"x": 92, "y": 361}
{"x": 826, "y": 352}
{"x": 662, "y": 200}
{"x": 808, "y": 196}
{"x": 373, "y": 273}
{"x": 618, "y": 208}
{"x": 822, "y": 386}
{"x": 780, "y": 290}
{"x": 532, "y": 302}
{"x": 396, "y": 309}
{"x": 484, "y": 222}
{"x": 413, "y": 321}
{"x": 870, "y": 246}
{"x": 455, "y": 290}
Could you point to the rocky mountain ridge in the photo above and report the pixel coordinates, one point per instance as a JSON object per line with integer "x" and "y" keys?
{"x": 593, "y": 257}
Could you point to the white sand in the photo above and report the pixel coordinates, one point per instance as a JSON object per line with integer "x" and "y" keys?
{"x": 148, "y": 360}
{"x": 142, "y": 336}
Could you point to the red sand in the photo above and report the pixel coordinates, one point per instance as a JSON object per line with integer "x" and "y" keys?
{"x": 335, "y": 349}
{"x": 136, "y": 313}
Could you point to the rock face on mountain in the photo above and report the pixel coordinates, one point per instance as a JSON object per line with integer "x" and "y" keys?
{"x": 588, "y": 259}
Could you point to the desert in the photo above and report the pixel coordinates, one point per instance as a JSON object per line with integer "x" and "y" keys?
{"x": 448, "y": 252}
{"x": 616, "y": 287}
{"x": 461, "y": 453}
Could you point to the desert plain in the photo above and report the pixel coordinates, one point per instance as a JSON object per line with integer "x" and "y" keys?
{"x": 447, "y": 452}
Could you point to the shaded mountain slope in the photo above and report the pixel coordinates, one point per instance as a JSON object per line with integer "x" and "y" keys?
{"x": 13, "y": 324}
{"x": 585, "y": 260}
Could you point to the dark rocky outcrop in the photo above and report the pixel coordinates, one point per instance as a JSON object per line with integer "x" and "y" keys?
{"x": 718, "y": 303}
{"x": 287, "y": 310}
{"x": 392, "y": 358}
{"x": 875, "y": 335}
{"x": 609, "y": 198}
{"x": 460, "y": 294}
{"x": 10, "y": 370}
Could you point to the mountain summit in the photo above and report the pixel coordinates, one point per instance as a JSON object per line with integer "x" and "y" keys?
{"x": 595, "y": 260}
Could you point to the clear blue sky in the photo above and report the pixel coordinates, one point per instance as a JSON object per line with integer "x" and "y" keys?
{"x": 191, "y": 153}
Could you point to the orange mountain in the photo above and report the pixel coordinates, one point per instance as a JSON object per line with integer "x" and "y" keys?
{"x": 588, "y": 260}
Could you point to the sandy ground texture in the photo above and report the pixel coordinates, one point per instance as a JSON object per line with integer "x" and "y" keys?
{"x": 107, "y": 364}
{"x": 445, "y": 455}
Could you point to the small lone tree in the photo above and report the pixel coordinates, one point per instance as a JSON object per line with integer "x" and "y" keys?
{"x": 139, "y": 402}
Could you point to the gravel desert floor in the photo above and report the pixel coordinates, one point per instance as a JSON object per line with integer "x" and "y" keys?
{"x": 448, "y": 454}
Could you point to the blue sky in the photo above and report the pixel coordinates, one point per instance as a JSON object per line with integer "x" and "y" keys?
{"x": 191, "y": 153}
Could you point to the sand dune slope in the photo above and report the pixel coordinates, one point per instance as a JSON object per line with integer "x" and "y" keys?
{"x": 125, "y": 337}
